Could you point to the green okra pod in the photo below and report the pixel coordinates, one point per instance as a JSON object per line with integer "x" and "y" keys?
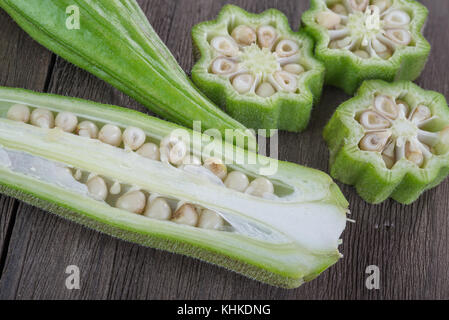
{"x": 116, "y": 43}
{"x": 144, "y": 180}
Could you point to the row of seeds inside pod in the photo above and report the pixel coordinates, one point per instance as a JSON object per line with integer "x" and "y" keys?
{"x": 171, "y": 149}
{"x": 243, "y": 41}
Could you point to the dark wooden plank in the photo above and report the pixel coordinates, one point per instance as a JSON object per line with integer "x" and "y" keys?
{"x": 408, "y": 243}
{"x": 23, "y": 64}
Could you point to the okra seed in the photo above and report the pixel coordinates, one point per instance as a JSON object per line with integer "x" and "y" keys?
{"x": 293, "y": 68}
{"x": 158, "y": 209}
{"x": 358, "y": 5}
{"x": 133, "y": 201}
{"x": 265, "y": 89}
{"x": 414, "y": 154}
{"x": 244, "y": 35}
{"x": 87, "y": 129}
{"x": 116, "y": 188}
{"x": 133, "y": 138}
{"x": 371, "y": 120}
{"x": 362, "y": 54}
{"x": 223, "y": 66}
{"x": 149, "y": 150}
{"x": 340, "y": 9}
{"x": 286, "y": 81}
{"x": 67, "y": 121}
{"x": 396, "y": 18}
{"x": 328, "y": 19}
{"x": 42, "y": 118}
{"x": 286, "y": 48}
{"x": 19, "y": 112}
{"x": 178, "y": 153}
{"x": 97, "y": 188}
{"x": 216, "y": 166}
{"x": 225, "y": 45}
{"x": 374, "y": 141}
{"x": 266, "y": 36}
{"x": 421, "y": 113}
{"x": 400, "y": 36}
{"x": 78, "y": 174}
{"x": 386, "y": 106}
{"x": 259, "y": 187}
{"x": 243, "y": 82}
{"x": 380, "y": 48}
{"x": 110, "y": 134}
{"x": 186, "y": 214}
{"x": 236, "y": 180}
{"x": 388, "y": 155}
{"x": 210, "y": 220}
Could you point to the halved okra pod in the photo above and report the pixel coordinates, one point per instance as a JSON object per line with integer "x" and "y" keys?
{"x": 254, "y": 66}
{"x": 154, "y": 183}
{"x": 391, "y": 140}
{"x": 116, "y": 43}
{"x": 368, "y": 39}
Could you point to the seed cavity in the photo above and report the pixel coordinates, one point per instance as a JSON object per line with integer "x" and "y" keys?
{"x": 225, "y": 45}
{"x": 244, "y": 35}
{"x": 223, "y": 66}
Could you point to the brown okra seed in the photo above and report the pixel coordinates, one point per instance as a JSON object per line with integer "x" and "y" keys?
{"x": 42, "y": 118}
{"x": 158, "y": 209}
{"x": 67, "y": 121}
{"x": 110, "y": 134}
{"x": 244, "y": 35}
{"x": 132, "y": 201}
{"x": 209, "y": 219}
{"x": 216, "y": 166}
{"x": 186, "y": 214}
{"x": 19, "y": 112}
{"x": 87, "y": 129}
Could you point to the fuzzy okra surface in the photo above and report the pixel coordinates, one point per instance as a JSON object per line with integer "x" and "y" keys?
{"x": 368, "y": 39}
{"x": 141, "y": 179}
{"x": 390, "y": 140}
{"x": 260, "y": 71}
{"x": 116, "y": 43}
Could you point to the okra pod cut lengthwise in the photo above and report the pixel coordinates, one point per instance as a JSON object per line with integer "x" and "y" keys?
{"x": 136, "y": 180}
{"x": 116, "y": 43}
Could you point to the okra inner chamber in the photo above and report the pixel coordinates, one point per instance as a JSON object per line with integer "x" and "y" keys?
{"x": 367, "y": 28}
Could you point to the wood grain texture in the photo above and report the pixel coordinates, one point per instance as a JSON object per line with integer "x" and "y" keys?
{"x": 408, "y": 243}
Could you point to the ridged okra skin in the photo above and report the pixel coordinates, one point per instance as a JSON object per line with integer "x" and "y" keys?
{"x": 292, "y": 90}
{"x": 116, "y": 43}
{"x": 390, "y": 140}
{"x": 371, "y": 42}
{"x": 282, "y": 238}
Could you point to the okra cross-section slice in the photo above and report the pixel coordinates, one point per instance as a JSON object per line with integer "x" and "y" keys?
{"x": 154, "y": 183}
{"x": 115, "y": 42}
{"x": 368, "y": 39}
{"x": 254, "y": 66}
{"x": 390, "y": 140}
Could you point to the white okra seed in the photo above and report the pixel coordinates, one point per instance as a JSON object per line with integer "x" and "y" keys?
{"x": 236, "y": 180}
{"x": 132, "y": 201}
{"x": 97, "y": 188}
{"x": 223, "y": 66}
{"x": 340, "y": 9}
{"x": 87, "y": 129}
{"x": 244, "y": 35}
{"x": 67, "y": 121}
{"x": 186, "y": 214}
{"x": 396, "y": 18}
{"x": 243, "y": 83}
{"x": 328, "y": 19}
{"x": 19, "y": 112}
{"x": 158, "y": 209}
{"x": 259, "y": 187}
{"x": 225, "y": 45}
{"x": 149, "y": 150}
{"x": 399, "y": 36}
{"x": 265, "y": 89}
{"x": 133, "y": 138}
{"x": 266, "y": 36}
{"x": 110, "y": 134}
{"x": 375, "y": 141}
{"x": 116, "y": 188}
{"x": 386, "y": 107}
{"x": 42, "y": 118}
{"x": 286, "y": 48}
{"x": 286, "y": 81}
{"x": 210, "y": 220}
{"x": 293, "y": 68}
{"x": 177, "y": 153}
{"x": 414, "y": 154}
{"x": 216, "y": 166}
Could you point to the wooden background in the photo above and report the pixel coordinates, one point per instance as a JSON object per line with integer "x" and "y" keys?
{"x": 408, "y": 243}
